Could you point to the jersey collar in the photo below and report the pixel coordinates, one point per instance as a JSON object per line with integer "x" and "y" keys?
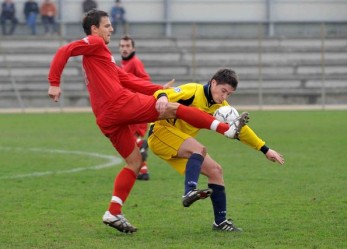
{"x": 129, "y": 56}
{"x": 208, "y": 95}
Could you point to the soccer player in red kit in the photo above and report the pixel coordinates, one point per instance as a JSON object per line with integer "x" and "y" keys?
{"x": 119, "y": 99}
{"x": 132, "y": 64}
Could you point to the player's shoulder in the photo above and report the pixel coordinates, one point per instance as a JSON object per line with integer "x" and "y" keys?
{"x": 135, "y": 58}
{"x": 93, "y": 39}
{"x": 190, "y": 86}
{"x": 187, "y": 89}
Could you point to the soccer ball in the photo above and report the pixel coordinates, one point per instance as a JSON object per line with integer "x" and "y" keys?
{"x": 226, "y": 114}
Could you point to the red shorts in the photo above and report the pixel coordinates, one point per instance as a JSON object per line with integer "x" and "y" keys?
{"x": 116, "y": 120}
{"x": 139, "y": 130}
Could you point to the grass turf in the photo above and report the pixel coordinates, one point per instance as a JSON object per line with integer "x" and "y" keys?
{"x": 299, "y": 205}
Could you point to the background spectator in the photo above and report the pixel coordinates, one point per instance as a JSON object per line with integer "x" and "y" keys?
{"x": 48, "y": 12}
{"x": 88, "y": 5}
{"x": 118, "y": 17}
{"x": 8, "y": 13}
{"x": 132, "y": 64}
{"x": 31, "y": 10}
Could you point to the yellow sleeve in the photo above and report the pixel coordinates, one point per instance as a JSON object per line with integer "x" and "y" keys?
{"x": 248, "y": 136}
{"x": 182, "y": 92}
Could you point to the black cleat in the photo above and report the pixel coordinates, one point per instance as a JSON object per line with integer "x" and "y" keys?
{"x": 118, "y": 222}
{"x": 194, "y": 195}
{"x": 226, "y": 225}
{"x": 143, "y": 177}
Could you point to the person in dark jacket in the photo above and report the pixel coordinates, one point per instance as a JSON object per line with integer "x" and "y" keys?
{"x": 118, "y": 17}
{"x": 8, "y": 13}
{"x": 89, "y": 5}
{"x": 31, "y": 10}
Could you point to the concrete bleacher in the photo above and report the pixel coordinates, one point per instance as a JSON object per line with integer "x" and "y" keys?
{"x": 284, "y": 71}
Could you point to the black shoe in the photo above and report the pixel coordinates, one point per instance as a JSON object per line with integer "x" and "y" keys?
{"x": 194, "y": 195}
{"x": 143, "y": 177}
{"x": 118, "y": 222}
{"x": 226, "y": 225}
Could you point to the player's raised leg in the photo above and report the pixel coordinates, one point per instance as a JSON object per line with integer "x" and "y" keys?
{"x": 200, "y": 119}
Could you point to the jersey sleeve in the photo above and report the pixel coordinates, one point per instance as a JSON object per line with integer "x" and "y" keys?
{"x": 248, "y": 136}
{"x": 176, "y": 94}
{"x": 140, "y": 71}
{"x": 136, "y": 84}
{"x": 86, "y": 46}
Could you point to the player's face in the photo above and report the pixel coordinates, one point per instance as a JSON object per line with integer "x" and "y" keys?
{"x": 104, "y": 30}
{"x": 220, "y": 92}
{"x": 125, "y": 48}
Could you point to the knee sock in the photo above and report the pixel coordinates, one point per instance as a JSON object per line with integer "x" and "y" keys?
{"x": 219, "y": 202}
{"x": 193, "y": 169}
{"x": 123, "y": 184}
{"x": 200, "y": 119}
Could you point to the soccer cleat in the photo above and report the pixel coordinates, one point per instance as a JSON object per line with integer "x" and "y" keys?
{"x": 226, "y": 225}
{"x": 143, "y": 177}
{"x": 236, "y": 125}
{"x": 194, "y": 195}
{"x": 118, "y": 222}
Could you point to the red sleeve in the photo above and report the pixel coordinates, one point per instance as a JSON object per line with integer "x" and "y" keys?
{"x": 86, "y": 46}
{"x": 140, "y": 70}
{"x": 136, "y": 84}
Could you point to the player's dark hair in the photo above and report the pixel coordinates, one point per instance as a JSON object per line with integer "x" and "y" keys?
{"x": 226, "y": 76}
{"x": 92, "y": 17}
{"x": 128, "y": 38}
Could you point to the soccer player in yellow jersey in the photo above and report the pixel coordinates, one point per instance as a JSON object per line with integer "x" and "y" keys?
{"x": 173, "y": 141}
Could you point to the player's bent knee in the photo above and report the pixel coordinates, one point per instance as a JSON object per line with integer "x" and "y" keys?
{"x": 134, "y": 160}
{"x": 170, "y": 111}
{"x": 218, "y": 170}
{"x": 203, "y": 151}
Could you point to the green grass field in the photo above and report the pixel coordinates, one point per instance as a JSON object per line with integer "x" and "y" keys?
{"x": 53, "y": 196}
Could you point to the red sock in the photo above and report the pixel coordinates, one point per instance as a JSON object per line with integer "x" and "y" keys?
{"x": 123, "y": 184}
{"x": 144, "y": 168}
{"x": 139, "y": 142}
{"x": 199, "y": 119}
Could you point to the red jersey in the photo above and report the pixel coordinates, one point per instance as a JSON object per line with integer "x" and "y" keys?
{"x": 105, "y": 81}
{"x": 135, "y": 66}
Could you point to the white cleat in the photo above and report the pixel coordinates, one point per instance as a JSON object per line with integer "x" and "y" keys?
{"x": 236, "y": 125}
{"x": 118, "y": 222}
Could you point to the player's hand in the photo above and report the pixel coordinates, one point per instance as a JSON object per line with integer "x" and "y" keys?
{"x": 54, "y": 93}
{"x": 169, "y": 84}
{"x": 161, "y": 104}
{"x": 274, "y": 156}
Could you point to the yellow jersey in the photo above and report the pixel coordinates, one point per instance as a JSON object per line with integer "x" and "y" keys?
{"x": 199, "y": 96}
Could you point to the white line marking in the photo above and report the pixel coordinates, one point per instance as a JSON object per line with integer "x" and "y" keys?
{"x": 111, "y": 161}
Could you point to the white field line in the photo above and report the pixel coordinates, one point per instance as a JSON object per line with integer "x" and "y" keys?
{"x": 110, "y": 161}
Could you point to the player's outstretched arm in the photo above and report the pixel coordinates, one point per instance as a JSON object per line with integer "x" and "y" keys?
{"x": 169, "y": 84}
{"x": 54, "y": 93}
{"x": 274, "y": 156}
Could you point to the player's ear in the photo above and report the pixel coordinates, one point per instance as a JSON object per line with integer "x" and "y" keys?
{"x": 93, "y": 29}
